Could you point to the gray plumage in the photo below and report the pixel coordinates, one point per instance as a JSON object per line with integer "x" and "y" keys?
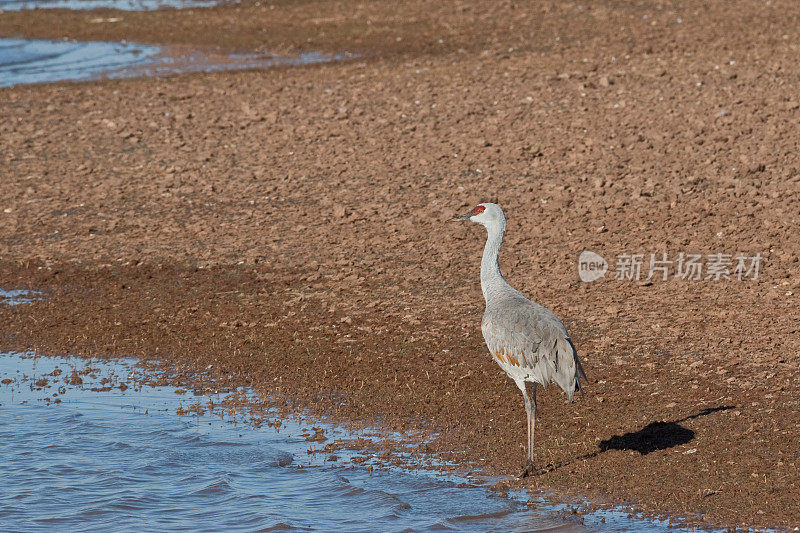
{"x": 526, "y": 339}
{"x": 528, "y": 336}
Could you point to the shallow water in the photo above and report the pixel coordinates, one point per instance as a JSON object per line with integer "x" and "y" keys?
{"x": 25, "y": 61}
{"x": 36, "y": 61}
{"x": 18, "y": 296}
{"x": 123, "y": 459}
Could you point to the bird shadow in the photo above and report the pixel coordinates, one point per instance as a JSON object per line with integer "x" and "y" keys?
{"x": 653, "y": 437}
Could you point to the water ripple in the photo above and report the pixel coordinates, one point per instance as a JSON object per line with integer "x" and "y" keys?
{"x": 218, "y": 487}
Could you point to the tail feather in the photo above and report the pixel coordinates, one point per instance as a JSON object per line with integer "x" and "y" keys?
{"x": 579, "y": 368}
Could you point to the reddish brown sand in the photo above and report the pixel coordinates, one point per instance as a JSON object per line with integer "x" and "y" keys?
{"x": 291, "y": 228}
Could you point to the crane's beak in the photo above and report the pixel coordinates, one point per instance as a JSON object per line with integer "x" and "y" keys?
{"x": 465, "y": 216}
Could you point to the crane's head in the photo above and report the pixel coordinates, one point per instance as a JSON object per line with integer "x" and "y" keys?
{"x": 485, "y": 214}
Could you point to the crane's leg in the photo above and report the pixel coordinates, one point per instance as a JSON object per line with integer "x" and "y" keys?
{"x": 531, "y": 428}
{"x": 530, "y": 408}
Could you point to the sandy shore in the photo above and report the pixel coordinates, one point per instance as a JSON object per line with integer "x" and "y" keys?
{"x": 291, "y": 227}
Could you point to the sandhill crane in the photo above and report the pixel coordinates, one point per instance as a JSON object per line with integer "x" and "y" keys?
{"x": 526, "y": 339}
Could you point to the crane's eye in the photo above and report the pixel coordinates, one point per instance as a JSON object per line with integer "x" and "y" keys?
{"x": 478, "y": 210}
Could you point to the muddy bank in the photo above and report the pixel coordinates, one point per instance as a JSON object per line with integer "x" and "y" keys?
{"x": 291, "y": 229}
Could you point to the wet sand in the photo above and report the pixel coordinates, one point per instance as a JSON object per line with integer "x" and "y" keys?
{"x": 291, "y": 228}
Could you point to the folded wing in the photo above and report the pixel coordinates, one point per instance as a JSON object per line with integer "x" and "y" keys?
{"x": 530, "y": 338}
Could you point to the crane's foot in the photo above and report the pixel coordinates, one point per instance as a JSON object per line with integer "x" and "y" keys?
{"x": 529, "y": 469}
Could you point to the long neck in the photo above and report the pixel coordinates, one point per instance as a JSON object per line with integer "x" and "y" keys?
{"x": 491, "y": 279}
